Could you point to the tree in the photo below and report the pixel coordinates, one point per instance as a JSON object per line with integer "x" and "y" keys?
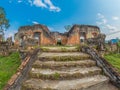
{"x": 118, "y": 46}
{"x": 4, "y": 22}
{"x": 68, "y": 27}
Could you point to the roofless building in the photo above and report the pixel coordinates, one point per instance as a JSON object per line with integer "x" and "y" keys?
{"x": 41, "y": 35}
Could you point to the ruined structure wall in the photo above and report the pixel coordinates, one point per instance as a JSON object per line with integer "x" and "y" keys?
{"x": 90, "y": 34}
{"x": 16, "y": 38}
{"x": 46, "y": 41}
{"x": 74, "y": 36}
{"x": 51, "y": 38}
{"x": 16, "y": 43}
{"x": 63, "y": 39}
{"x": 74, "y": 39}
{"x": 90, "y": 31}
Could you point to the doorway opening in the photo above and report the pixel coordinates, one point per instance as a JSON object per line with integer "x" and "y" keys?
{"x": 59, "y": 42}
{"x": 37, "y": 37}
{"x": 82, "y": 37}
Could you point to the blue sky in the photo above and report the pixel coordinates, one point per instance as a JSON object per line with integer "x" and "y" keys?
{"x": 58, "y": 13}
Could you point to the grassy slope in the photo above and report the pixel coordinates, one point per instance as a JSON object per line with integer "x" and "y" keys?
{"x": 8, "y": 66}
{"x": 114, "y": 59}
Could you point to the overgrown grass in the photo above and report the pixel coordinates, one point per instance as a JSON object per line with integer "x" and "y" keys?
{"x": 8, "y": 67}
{"x": 114, "y": 59}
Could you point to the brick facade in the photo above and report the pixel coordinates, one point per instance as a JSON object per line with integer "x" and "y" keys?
{"x": 43, "y": 36}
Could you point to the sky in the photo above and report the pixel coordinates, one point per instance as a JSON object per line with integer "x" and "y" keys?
{"x": 58, "y": 13}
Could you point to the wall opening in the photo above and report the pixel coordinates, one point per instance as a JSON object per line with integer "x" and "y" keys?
{"x": 59, "y": 42}
{"x": 37, "y": 37}
{"x": 82, "y": 37}
{"x": 22, "y": 40}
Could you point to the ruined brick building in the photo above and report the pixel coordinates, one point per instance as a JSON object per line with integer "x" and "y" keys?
{"x": 40, "y": 35}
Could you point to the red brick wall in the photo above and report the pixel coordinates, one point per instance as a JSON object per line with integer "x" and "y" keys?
{"x": 46, "y": 41}
{"x": 74, "y": 39}
{"x": 63, "y": 39}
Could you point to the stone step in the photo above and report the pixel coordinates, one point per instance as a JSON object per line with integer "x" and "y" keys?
{"x": 70, "y": 73}
{"x": 64, "y": 56}
{"x": 97, "y": 82}
{"x": 62, "y": 64}
{"x": 60, "y": 49}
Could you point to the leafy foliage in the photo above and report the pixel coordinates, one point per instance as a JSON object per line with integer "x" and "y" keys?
{"x": 118, "y": 44}
{"x": 4, "y": 22}
{"x": 68, "y": 27}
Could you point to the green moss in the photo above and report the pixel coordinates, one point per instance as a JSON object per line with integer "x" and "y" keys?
{"x": 114, "y": 59}
{"x": 8, "y": 66}
{"x": 56, "y": 75}
{"x": 69, "y": 58}
{"x": 78, "y": 48}
{"x": 63, "y": 49}
{"x": 45, "y": 49}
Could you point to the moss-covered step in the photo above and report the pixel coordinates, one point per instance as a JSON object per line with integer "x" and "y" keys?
{"x": 70, "y": 73}
{"x": 62, "y": 64}
{"x": 60, "y": 49}
{"x": 63, "y": 56}
{"x": 97, "y": 82}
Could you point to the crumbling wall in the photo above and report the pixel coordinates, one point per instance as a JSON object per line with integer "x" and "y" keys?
{"x": 29, "y": 31}
{"x": 64, "y": 40}
{"x": 4, "y": 49}
{"x": 51, "y": 38}
{"x": 74, "y": 37}
{"x": 47, "y": 41}
{"x": 92, "y": 32}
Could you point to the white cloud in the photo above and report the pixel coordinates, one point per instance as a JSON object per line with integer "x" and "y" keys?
{"x": 30, "y": 1}
{"x": 111, "y": 28}
{"x": 51, "y": 6}
{"x": 19, "y": 1}
{"x": 35, "y": 22}
{"x": 100, "y": 15}
{"x": 106, "y": 27}
{"x": 45, "y": 4}
{"x": 115, "y": 18}
{"x": 113, "y": 36}
{"x": 10, "y": 1}
{"x": 39, "y": 3}
{"x": 48, "y": 4}
{"x": 102, "y": 19}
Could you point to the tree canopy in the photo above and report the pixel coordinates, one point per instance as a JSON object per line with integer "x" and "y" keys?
{"x": 118, "y": 43}
{"x": 68, "y": 27}
{"x": 4, "y": 22}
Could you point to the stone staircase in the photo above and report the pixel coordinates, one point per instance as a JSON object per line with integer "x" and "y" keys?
{"x": 66, "y": 71}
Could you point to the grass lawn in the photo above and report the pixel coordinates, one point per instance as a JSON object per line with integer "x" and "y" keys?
{"x": 114, "y": 59}
{"x": 8, "y": 66}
